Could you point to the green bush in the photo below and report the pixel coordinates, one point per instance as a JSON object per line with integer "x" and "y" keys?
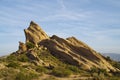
{"x": 61, "y": 72}
{"x": 41, "y": 69}
{"x": 13, "y": 64}
{"x": 51, "y": 78}
{"x": 94, "y": 70}
{"x": 74, "y": 69}
{"x": 26, "y": 76}
{"x": 30, "y": 45}
{"x": 108, "y": 58}
{"x": 7, "y": 74}
{"x": 103, "y": 71}
{"x": 113, "y": 78}
{"x": 23, "y": 58}
{"x": 117, "y": 65}
{"x": 11, "y": 58}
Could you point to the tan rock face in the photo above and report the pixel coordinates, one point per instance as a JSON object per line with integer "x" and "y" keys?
{"x": 34, "y": 33}
{"x": 22, "y": 47}
{"x": 76, "y": 53}
{"x": 32, "y": 55}
{"x": 69, "y": 50}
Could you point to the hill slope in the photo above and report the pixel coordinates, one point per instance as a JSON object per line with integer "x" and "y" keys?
{"x": 43, "y": 58}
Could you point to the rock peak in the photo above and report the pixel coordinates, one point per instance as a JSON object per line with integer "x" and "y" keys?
{"x": 34, "y": 33}
{"x": 33, "y": 23}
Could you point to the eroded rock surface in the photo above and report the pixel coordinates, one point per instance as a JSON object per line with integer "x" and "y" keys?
{"x": 34, "y": 33}
{"x": 69, "y": 50}
{"x": 76, "y": 53}
{"x": 22, "y": 47}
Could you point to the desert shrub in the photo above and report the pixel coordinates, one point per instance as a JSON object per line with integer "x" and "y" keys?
{"x": 98, "y": 74}
{"x": 41, "y": 69}
{"x": 61, "y": 72}
{"x": 21, "y": 76}
{"x": 103, "y": 71}
{"x": 30, "y": 45}
{"x": 26, "y": 76}
{"x": 94, "y": 70}
{"x": 73, "y": 69}
{"x": 51, "y": 78}
{"x": 108, "y": 58}
{"x": 117, "y": 65}
{"x": 116, "y": 73}
{"x": 98, "y": 77}
{"x": 11, "y": 58}
{"x": 2, "y": 59}
{"x": 113, "y": 78}
{"x": 7, "y": 74}
{"x": 13, "y": 64}
{"x": 23, "y": 58}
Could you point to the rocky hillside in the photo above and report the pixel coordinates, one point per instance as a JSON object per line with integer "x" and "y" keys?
{"x": 69, "y": 50}
{"x": 54, "y": 56}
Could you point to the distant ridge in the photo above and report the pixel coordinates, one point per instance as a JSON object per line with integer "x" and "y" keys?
{"x": 114, "y": 56}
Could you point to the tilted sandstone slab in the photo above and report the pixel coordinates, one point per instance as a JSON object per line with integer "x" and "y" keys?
{"x": 34, "y": 33}
{"x": 69, "y": 50}
{"x": 76, "y": 53}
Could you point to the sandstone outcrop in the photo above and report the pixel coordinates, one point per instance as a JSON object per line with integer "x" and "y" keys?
{"x": 32, "y": 55}
{"x": 34, "y": 33}
{"x": 69, "y": 50}
{"x": 76, "y": 53}
{"x": 22, "y": 47}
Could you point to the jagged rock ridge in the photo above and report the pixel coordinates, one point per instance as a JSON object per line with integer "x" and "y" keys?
{"x": 34, "y": 33}
{"x": 69, "y": 50}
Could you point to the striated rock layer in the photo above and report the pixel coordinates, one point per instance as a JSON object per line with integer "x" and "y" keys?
{"x": 69, "y": 50}
{"x": 34, "y": 33}
{"x": 76, "y": 53}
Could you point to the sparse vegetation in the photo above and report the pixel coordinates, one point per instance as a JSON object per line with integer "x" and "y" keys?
{"x": 22, "y": 69}
{"x": 41, "y": 69}
{"x": 108, "y": 58}
{"x": 51, "y": 78}
{"x": 73, "y": 69}
{"x": 13, "y": 64}
{"x": 61, "y": 72}
{"x": 30, "y": 45}
{"x": 11, "y": 58}
{"x": 6, "y": 73}
{"x": 26, "y": 76}
{"x": 23, "y": 58}
{"x": 116, "y": 64}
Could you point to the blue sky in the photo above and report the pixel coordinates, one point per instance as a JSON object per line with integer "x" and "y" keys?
{"x": 95, "y": 22}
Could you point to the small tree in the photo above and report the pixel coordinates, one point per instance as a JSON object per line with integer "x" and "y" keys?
{"x": 108, "y": 58}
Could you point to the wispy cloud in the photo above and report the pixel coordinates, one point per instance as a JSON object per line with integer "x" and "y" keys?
{"x": 62, "y": 5}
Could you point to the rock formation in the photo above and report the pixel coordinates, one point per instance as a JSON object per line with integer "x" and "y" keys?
{"x": 69, "y": 50}
{"x": 34, "y": 33}
{"x": 22, "y": 47}
{"x": 32, "y": 55}
{"x": 76, "y": 53}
